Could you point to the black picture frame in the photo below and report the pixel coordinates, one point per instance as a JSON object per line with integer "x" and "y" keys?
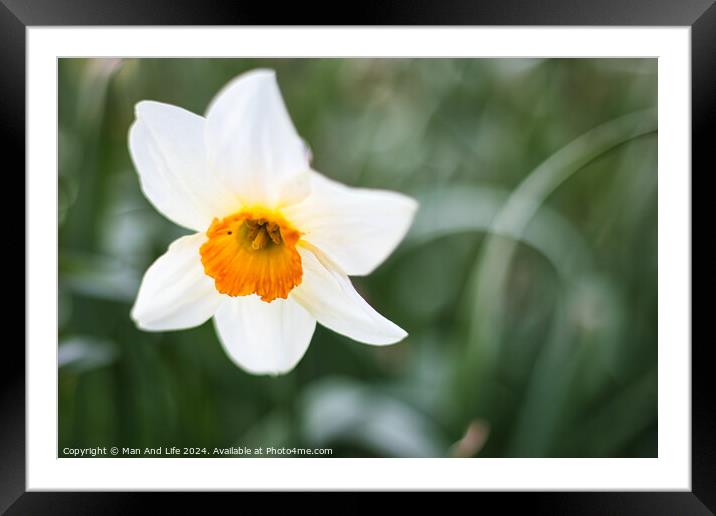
{"x": 700, "y": 15}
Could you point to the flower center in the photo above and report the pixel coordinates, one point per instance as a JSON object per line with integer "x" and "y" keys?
{"x": 253, "y": 252}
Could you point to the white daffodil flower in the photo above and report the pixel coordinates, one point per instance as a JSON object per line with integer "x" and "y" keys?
{"x": 274, "y": 241}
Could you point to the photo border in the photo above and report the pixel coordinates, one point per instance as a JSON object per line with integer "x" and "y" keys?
{"x": 13, "y": 24}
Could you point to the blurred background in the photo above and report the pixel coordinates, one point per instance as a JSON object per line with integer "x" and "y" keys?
{"x": 527, "y": 284}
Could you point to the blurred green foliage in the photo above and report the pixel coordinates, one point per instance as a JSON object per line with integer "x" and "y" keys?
{"x": 527, "y": 283}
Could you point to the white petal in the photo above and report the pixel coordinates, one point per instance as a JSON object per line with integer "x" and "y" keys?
{"x": 252, "y": 143}
{"x": 167, "y": 146}
{"x": 264, "y": 338}
{"x": 357, "y": 228}
{"x": 175, "y": 293}
{"x": 330, "y": 297}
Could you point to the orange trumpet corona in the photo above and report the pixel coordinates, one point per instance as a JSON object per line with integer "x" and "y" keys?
{"x": 253, "y": 252}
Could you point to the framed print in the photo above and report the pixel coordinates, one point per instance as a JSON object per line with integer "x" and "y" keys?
{"x": 408, "y": 257}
